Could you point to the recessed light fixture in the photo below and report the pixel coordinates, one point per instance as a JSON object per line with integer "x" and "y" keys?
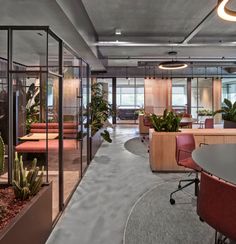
{"x": 172, "y": 65}
{"x": 118, "y": 32}
{"x": 224, "y": 12}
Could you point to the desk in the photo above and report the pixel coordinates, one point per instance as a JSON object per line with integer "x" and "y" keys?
{"x": 218, "y": 159}
{"x": 38, "y": 136}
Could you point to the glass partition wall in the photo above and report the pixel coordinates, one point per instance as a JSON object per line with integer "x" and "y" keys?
{"x": 44, "y": 89}
{"x": 129, "y": 97}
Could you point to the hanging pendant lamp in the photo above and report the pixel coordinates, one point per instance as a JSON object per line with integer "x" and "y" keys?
{"x": 224, "y": 12}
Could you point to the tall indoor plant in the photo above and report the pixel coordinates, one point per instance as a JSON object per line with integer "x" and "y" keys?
{"x": 228, "y": 111}
{"x": 100, "y": 111}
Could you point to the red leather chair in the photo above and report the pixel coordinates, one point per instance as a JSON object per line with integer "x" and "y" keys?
{"x": 185, "y": 144}
{"x": 209, "y": 123}
{"x": 216, "y": 205}
{"x": 146, "y": 122}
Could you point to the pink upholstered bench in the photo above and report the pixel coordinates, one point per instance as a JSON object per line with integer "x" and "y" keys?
{"x": 40, "y": 146}
{"x": 70, "y": 135}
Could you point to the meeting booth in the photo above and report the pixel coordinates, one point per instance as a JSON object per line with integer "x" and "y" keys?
{"x": 44, "y": 97}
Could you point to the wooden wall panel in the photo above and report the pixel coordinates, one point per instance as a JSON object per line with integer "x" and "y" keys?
{"x": 217, "y": 91}
{"x": 157, "y": 95}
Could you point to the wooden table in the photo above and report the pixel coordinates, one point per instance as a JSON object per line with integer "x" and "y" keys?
{"x": 39, "y": 136}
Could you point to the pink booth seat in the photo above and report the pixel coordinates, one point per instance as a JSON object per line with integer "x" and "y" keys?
{"x": 69, "y": 128}
{"x": 40, "y": 146}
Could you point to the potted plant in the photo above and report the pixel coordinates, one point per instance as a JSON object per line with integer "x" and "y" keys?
{"x": 100, "y": 110}
{"x": 204, "y": 112}
{"x": 22, "y": 200}
{"x": 228, "y": 111}
{"x": 168, "y": 122}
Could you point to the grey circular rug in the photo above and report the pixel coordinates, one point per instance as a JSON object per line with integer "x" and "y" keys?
{"x": 154, "y": 221}
{"x": 137, "y": 147}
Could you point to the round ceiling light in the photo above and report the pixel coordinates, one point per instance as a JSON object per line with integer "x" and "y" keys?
{"x": 224, "y": 12}
{"x": 171, "y": 65}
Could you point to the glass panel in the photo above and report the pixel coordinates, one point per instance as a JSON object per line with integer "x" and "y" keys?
{"x": 201, "y": 95}
{"x": 4, "y": 99}
{"x": 229, "y": 89}
{"x": 29, "y": 49}
{"x": 53, "y": 55}
{"x": 53, "y": 142}
{"x": 85, "y": 87}
{"x": 71, "y": 126}
{"x": 205, "y": 93}
{"x": 194, "y": 97}
{"x": 179, "y": 95}
{"x": 126, "y": 100}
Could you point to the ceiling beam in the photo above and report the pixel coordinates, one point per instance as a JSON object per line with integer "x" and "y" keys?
{"x": 144, "y": 44}
{"x": 199, "y": 27}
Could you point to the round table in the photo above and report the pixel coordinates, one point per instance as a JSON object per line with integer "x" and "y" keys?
{"x": 217, "y": 159}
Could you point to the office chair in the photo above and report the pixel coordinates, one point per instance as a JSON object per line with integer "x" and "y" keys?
{"x": 216, "y": 205}
{"x": 148, "y": 123}
{"x": 209, "y": 123}
{"x": 185, "y": 144}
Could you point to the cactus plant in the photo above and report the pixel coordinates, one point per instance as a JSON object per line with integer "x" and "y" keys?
{"x": 2, "y": 153}
{"x": 25, "y": 183}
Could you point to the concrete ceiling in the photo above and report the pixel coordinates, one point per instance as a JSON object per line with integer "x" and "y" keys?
{"x": 150, "y": 29}
{"x": 63, "y": 17}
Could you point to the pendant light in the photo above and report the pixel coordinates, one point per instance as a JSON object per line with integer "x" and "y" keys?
{"x": 224, "y": 12}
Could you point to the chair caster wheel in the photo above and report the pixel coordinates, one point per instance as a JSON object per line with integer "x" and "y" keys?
{"x": 172, "y": 201}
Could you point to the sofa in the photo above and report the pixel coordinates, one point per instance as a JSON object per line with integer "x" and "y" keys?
{"x": 40, "y": 146}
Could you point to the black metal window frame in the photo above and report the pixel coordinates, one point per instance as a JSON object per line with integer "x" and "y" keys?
{"x": 10, "y": 72}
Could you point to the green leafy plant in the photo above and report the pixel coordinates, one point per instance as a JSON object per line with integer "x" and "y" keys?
{"x": 139, "y": 111}
{"x": 26, "y": 184}
{"x": 228, "y": 110}
{"x": 100, "y": 111}
{"x": 205, "y": 112}
{"x": 168, "y": 122}
{"x": 32, "y": 106}
{"x": 2, "y": 153}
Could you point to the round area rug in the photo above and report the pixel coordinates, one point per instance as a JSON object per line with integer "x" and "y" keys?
{"x": 137, "y": 147}
{"x": 153, "y": 220}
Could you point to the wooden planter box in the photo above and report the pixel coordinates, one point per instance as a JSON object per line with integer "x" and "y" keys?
{"x": 95, "y": 142}
{"x": 34, "y": 223}
{"x": 163, "y": 146}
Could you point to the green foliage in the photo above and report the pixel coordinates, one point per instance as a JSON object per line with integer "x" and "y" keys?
{"x": 100, "y": 111}
{"x": 205, "y": 112}
{"x": 106, "y": 136}
{"x": 25, "y": 183}
{"x": 32, "y": 106}
{"x": 228, "y": 110}
{"x": 169, "y": 122}
{"x": 2, "y": 153}
{"x": 139, "y": 111}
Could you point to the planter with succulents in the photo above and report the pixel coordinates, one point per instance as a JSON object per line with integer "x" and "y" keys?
{"x": 25, "y": 205}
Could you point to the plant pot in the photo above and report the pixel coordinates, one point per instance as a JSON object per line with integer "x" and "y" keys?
{"x": 229, "y": 124}
{"x": 95, "y": 143}
{"x": 34, "y": 223}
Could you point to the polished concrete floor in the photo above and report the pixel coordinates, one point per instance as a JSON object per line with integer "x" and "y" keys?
{"x": 99, "y": 208}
